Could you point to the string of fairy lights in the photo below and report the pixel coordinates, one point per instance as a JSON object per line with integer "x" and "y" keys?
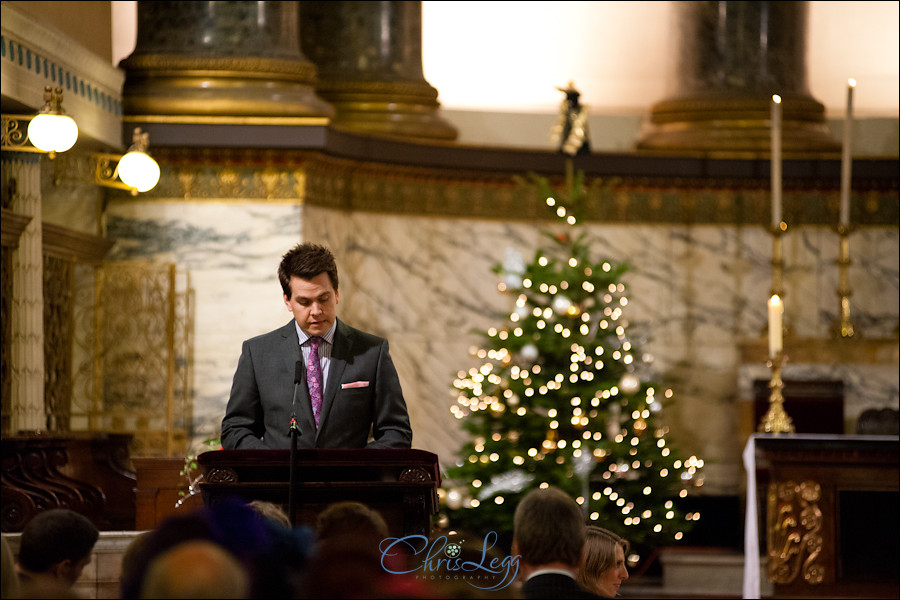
{"x": 575, "y": 410}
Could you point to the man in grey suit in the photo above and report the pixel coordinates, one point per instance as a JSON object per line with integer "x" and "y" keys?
{"x": 362, "y": 403}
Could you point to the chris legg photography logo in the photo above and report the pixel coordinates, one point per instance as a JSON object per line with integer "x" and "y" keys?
{"x": 440, "y": 559}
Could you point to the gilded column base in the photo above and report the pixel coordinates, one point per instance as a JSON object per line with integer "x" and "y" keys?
{"x": 736, "y": 125}
{"x": 387, "y": 109}
{"x": 227, "y": 87}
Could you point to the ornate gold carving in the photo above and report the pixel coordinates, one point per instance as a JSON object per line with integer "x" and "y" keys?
{"x": 793, "y": 526}
{"x": 222, "y": 475}
{"x": 15, "y": 134}
{"x": 133, "y": 329}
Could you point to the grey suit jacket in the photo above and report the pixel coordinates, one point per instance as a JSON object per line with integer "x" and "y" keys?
{"x": 259, "y": 409}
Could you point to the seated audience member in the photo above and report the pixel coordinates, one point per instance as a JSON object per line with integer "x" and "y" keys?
{"x": 8, "y": 575}
{"x": 273, "y": 555}
{"x": 132, "y": 568}
{"x": 353, "y": 518}
{"x": 272, "y": 512}
{"x": 54, "y": 549}
{"x": 548, "y": 536}
{"x": 196, "y": 569}
{"x": 480, "y": 570}
{"x": 603, "y": 569}
{"x": 348, "y": 562}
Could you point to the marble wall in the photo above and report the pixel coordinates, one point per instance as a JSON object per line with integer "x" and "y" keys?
{"x": 697, "y": 298}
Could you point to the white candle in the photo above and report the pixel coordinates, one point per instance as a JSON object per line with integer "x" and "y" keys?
{"x": 776, "y": 162}
{"x": 776, "y": 310}
{"x": 846, "y": 160}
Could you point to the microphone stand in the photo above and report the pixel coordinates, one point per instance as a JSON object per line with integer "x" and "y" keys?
{"x": 295, "y": 432}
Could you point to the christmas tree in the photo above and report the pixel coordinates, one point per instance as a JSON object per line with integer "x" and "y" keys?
{"x": 561, "y": 397}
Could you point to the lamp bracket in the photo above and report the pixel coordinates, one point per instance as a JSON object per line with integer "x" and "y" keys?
{"x": 105, "y": 168}
{"x": 15, "y": 134}
{"x": 95, "y": 168}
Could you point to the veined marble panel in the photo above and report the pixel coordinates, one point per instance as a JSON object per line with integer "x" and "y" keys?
{"x": 231, "y": 253}
{"x": 697, "y": 293}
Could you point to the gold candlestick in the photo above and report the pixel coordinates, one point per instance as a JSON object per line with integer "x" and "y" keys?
{"x": 843, "y": 327}
{"x": 776, "y": 420}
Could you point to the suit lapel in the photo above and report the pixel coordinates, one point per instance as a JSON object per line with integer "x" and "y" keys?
{"x": 343, "y": 346}
{"x": 290, "y": 353}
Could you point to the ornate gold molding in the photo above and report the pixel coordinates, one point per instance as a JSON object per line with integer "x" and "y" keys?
{"x": 234, "y": 66}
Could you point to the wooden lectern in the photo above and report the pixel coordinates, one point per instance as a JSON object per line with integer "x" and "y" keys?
{"x": 401, "y": 484}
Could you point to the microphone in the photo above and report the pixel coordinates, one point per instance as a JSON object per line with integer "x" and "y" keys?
{"x": 299, "y": 372}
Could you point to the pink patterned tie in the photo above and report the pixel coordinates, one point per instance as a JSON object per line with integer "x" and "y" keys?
{"x": 314, "y": 377}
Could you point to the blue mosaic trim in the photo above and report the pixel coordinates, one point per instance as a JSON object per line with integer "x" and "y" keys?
{"x": 58, "y": 76}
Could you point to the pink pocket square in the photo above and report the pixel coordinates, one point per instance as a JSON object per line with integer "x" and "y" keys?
{"x": 355, "y": 384}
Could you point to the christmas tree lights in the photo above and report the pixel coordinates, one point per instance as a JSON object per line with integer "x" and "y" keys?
{"x": 560, "y": 395}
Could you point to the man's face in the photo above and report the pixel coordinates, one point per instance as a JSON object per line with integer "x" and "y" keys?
{"x": 312, "y": 303}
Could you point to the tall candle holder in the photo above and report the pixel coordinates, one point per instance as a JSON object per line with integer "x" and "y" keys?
{"x": 843, "y": 327}
{"x": 776, "y": 420}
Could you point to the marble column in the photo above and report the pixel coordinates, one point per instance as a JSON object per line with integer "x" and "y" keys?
{"x": 21, "y": 179}
{"x": 369, "y": 58}
{"x": 728, "y": 59}
{"x": 222, "y": 60}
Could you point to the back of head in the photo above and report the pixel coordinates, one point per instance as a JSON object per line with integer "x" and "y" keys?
{"x": 599, "y": 553}
{"x": 54, "y": 536}
{"x": 351, "y": 518}
{"x": 196, "y": 569}
{"x": 548, "y": 527}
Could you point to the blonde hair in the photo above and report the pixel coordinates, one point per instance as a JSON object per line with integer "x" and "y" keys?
{"x": 599, "y": 554}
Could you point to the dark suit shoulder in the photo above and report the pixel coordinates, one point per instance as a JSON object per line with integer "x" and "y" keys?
{"x": 557, "y": 586}
{"x": 358, "y": 336}
{"x": 285, "y": 331}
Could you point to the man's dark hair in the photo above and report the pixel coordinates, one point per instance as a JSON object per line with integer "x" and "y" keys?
{"x": 54, "y": 536}
{"x": 548, "y": 527}
{"x": 306, "y": 261}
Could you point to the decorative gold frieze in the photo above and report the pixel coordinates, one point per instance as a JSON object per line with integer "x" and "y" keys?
{"x": 306, "y": 176}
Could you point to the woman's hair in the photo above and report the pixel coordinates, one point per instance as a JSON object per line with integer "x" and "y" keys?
{"x": 599, "y": 553}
